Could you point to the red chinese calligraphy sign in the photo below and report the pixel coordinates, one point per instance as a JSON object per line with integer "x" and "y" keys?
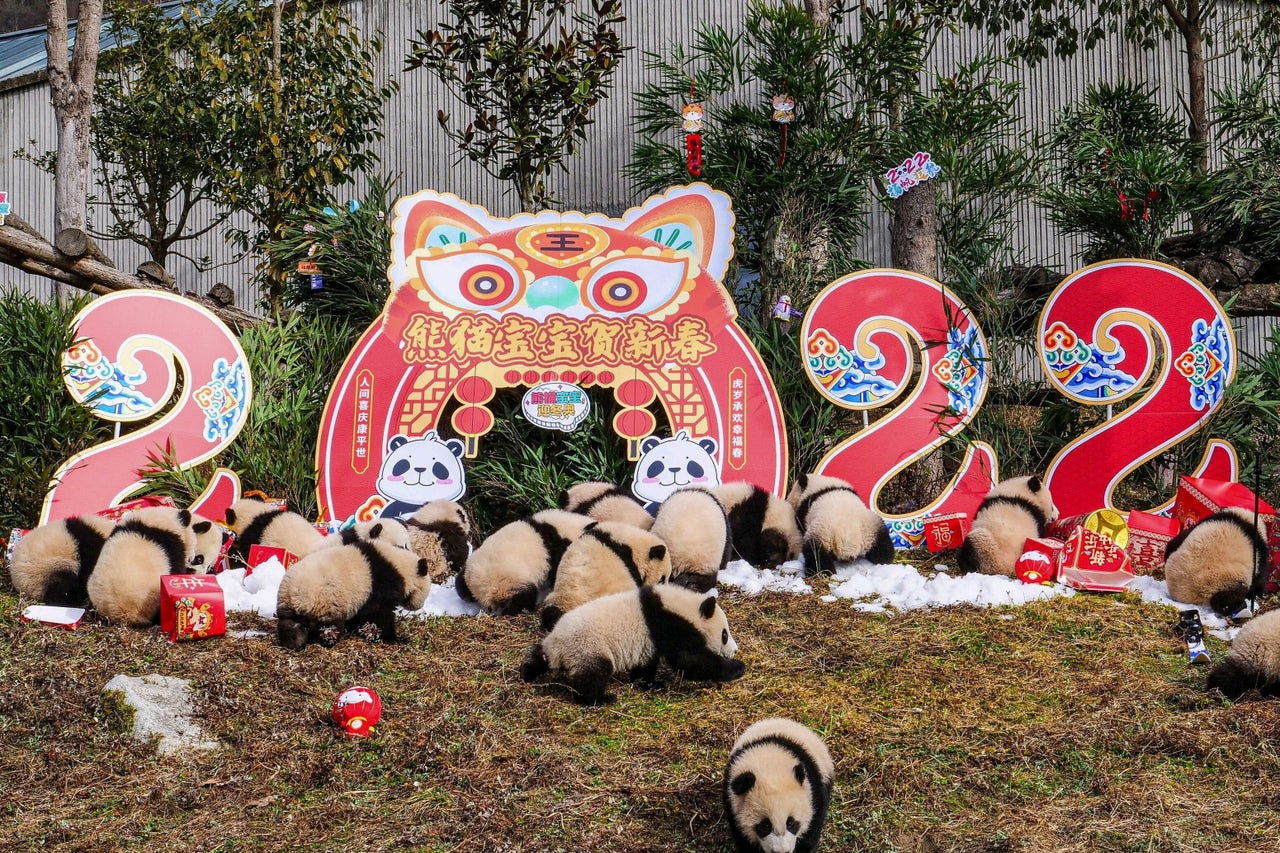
{"x": 480, "y": 303}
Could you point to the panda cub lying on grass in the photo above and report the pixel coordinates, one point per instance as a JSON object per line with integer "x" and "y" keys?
{"x": 632, "y": 632}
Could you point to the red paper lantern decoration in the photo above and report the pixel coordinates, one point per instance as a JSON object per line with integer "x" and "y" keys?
{"x": 473, "y": 420}
{"x": 357, "y": 710}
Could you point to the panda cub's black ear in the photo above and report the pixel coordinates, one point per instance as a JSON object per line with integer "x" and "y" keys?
{"x": 1034, "y": 484}
{"x": 230, "y": 517}
{"x": 423, "y": 568}
{"x": 800, "y": 773}
{"x": 184, "y": 517}
{"x": 202, "y": 526}
{"x": 708, "y": 607}
{"x": 375, "y": 531}
{"x": 804, "y": 482}
{"x": 563, "y": 500}
{"x": 742, "y": 783}
{"x": 657, "y": 552}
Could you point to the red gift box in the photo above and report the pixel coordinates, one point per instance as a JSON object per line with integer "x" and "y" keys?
{"x": 192, "y": 607}
{"x": 259, "y": 554}
{"x": 1040, "y": 561}
{"x": 945, "y": 532}
{"x": 1199, "y": 498}
{"x": 115, "y": 513}
{"x": 1091, "y": 561}
{"x": 1064, "y": 527}
{"x": 1148, "y": 536}
{"x": 68, "y": 618}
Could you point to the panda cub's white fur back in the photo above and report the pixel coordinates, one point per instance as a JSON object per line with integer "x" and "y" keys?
{"x": 836, "y": 525}
{"x": 53, "y": 562}
{"x": 693, "y": 523}
{"x": 147, "y": 544}
{"x": 610, "y": 557}
{"x": 632, "y": 632}
{"x": 606, "y": 502}
{"x": 440, "y": 533}
{"x": 1254, "y": 660}
{"x": 515, "y": 567}
{"x": 258, "y": 523}
{"x": 777, "y": 787}
{"x": 1217, "y": 562}
{"x": 349, "y": 586}
{"x": 1014, "y": 511}
{"x": 763, "y": 525}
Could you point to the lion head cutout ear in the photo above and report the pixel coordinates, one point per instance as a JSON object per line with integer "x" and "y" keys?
{"x": 695, "y": 218}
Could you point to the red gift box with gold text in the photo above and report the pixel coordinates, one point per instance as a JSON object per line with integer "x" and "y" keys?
{"x": 1148, "y": 536}
{"x": 945, "y": 532}
{"x": 1091, "y": 561}
{"x": 192, "y": 607}
{"x": 1040, "y": 561}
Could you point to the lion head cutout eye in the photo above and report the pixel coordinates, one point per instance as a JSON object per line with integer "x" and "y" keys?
{"x": 634, "y": 285}
{"x": 472, "y": 280}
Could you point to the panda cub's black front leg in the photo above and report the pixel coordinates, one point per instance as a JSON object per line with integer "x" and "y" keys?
{"x": 645, "y": 675}
{"x": 590, "y": 682}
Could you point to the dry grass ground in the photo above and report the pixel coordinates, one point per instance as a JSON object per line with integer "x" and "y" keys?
{"x": 1069, "y": 725}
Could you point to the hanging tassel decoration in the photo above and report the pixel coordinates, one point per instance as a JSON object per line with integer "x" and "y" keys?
{"x": 1126, "y": 212}
{"x": 691, "y": 118}
{"x": 784, "y": 110}
{"x": 1150, "y": 199}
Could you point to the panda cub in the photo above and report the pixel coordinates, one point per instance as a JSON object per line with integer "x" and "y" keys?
{"x": 1014, "y": 511}
{"x": 351, "y": 586}
{"x": 763, "y": 525}
{"x": 606, "y": 502}
{"x": 632, "y": 632}
{"x": 515, "y": 567}
{"x": 389, "y": 532}
{"x": 257, "y": 523}
{"x": 147, "y": 544}
{"x": 53, "y": 562}
{"x": 777, "y": 787}
{"x": 1218, "y": 561}
{"x": 1254, "y": 660}
{"x": 440, "y": 533}
{"x": 610, "y": 557}
{"x": 693, "y": 523}
{"x": 836, "y": 525}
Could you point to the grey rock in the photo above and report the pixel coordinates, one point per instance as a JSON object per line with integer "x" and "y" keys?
{"x": 161, "y": 712}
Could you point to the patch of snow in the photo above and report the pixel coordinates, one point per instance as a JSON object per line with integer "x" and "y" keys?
{"x": 443, "y": 600}
{"x": 256, "y": 593}
{"x": 749, "y": 580}
{"x": 876, "y": 588}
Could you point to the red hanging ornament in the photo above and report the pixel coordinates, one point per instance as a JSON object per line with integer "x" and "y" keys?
{"x": 691, "y": 116}
{"x": 1150, "y": 199}
{"x": 1126, "y": 212}
{"x": 784, "y": 109}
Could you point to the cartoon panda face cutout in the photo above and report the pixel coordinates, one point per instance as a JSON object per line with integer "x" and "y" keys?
{"x": 418, "y": 471}
{"x": 667, "y": 464}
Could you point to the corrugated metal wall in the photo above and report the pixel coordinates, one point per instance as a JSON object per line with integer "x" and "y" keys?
{"x": 416, "y": 149}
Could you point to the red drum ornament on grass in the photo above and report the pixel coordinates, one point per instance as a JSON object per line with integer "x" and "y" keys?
{"x": 357, "y": 711}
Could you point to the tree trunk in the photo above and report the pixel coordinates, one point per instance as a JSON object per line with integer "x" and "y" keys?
{"x": 819, "y": 11}
{"x": 915, "y": 230}
{"x": 1197, "y": 88}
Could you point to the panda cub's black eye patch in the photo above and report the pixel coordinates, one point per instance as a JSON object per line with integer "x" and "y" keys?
{"x": 793, "y": 825}
{"x": 724, "y": 636}
{"x": 764, "y": 827}
{"x": 197, "y": 560}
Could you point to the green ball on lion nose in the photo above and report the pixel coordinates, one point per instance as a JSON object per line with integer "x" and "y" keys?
{"x": 554, "y": 290}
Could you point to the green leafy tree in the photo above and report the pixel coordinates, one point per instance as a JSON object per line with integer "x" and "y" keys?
{"x": 152, "y": 127}
{"x": 1124, "y": 170}
{"x": 530, "y": 71}
{"x": 298, "y": 108}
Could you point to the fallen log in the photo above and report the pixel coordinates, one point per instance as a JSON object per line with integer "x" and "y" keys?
{"x": 21, "y": 246}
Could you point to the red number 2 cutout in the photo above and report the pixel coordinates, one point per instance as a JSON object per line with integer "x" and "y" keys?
{"x": 860, "y": 338}
{"x": 1099, "y": 337}
{"x": 123, "y": 366}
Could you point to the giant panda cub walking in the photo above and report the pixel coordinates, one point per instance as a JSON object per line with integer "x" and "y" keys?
{"x": 440, "y": 533}
{"x": 606, "y": 502}
{"x": 1014, "y": 511}
{"x": 349, "y": 586}
{"x": 763, "y": 525}
{"x": 147, "y": 544}
{"x": 631, "y": 632}
{"x": 1254, "y": 660}
{"x": 836, "y": 525}
{"x": 515, "y": 567}
{"x": 257, "y": 523}
{"x": 1219, "y": 563}
{"x": 693, "y": 523}
{"x": 777, "y": 787}
{"x": 53, "y": 562}
{"x": 609, "y": 557}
